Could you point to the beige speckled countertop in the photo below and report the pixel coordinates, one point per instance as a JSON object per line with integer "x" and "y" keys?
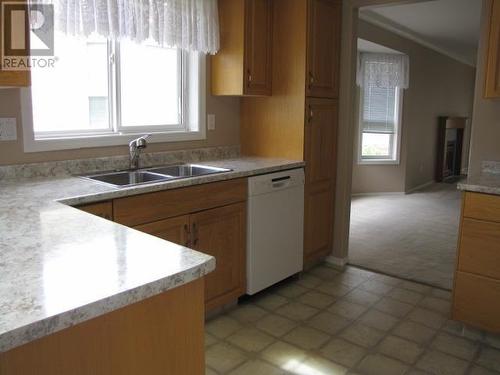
{"x": 60, "y": 266}
{"x": 487, "y": 183}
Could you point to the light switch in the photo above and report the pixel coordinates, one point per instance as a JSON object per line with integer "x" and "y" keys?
{"x": 211, "y": 122}
{"x": 8, "y": 129}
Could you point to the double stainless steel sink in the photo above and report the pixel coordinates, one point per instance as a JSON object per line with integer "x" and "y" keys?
{"x": 158, "y": 174}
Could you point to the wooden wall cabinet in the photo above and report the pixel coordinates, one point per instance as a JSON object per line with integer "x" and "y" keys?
{"x": 300, "y": 120}
{"x": 210, "y": 218}
{"x": 243, "y": 66}
{"x": 492, "y": 84}
{"x": 323, "y": 48}
{"x": 476, "y": 291}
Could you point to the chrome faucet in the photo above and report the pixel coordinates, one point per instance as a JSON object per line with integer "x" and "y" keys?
{"x": 135, "y": 148}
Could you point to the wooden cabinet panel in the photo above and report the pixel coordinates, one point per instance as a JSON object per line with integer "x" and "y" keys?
{"x": 258, "y": 47}
{"x": 482, "y": 206}
{"x": 323, "y": 49}
{"x": 320, "y": 156}
{"x": 480, "y": 248}
{"x": 102, "y": 209}
{"x": 320, "y": 140}
{"x": 161, "y": 335}
{"x": 10, "y": 78}
{"x": 476, "y": 301}
{"x": 175, "y": 229}
{"x": 492, "y": 84}
{"x": 243, "y": 65}
{"x": 221, "y": 232}
{"x": 318, "y": 222}
{"x": 146, "y": 208}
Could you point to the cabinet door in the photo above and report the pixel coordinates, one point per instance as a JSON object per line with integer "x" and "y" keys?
{"x": 175, "y": 229}
{"x": 258, "y": 47}
{"x": 323, "y": 48}
{"x": 320, "y": 155}
{"x": 102, "y": 209}
{"x": 492, "y": 85}
{"x": 220, "y": 232}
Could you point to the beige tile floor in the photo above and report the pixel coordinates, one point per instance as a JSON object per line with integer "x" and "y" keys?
{"x": 412, "y": 236}
{"x": 328, "y": 322}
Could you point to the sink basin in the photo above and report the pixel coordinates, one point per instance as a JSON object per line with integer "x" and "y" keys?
{"x": 159, "y": 174}
{"x": 128, "y": 178}
{"x": 187, "y": 170}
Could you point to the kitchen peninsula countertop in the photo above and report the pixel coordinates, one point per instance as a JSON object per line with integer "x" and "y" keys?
{"x": 60, "y": 266}
{"x": 487, "y": 183}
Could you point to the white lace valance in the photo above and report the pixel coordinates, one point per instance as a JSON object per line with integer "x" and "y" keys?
{"x": 191, "y": 25}
{"x": 383, "y": 70}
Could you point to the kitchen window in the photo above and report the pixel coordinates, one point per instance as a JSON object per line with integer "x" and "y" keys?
{"x": 380, "y": 124}
{"x": 102, "y": 92}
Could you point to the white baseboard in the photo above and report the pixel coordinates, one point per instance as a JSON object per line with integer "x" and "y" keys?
{"x": 378, "y": 193}
{"x": 419, "y": 187}
{"x": 336, "y": 262}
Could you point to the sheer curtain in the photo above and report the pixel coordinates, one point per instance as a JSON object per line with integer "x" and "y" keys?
{"x": 191, "y": 25}
{"x": 383, "y": 70}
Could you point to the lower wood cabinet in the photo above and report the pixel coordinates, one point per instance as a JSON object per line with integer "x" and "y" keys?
{"x": 174, "y": 229}
{"x": 102, "y": 209}
{"x": 476, "y": 291}
{"x": 210, "y": 218}
{"x": 220, "y": 232}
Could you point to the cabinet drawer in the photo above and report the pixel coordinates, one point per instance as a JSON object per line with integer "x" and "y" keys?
{"x": 482, "y": 206}
{"x": 480, "y": 248}
{"x": 476, "y": 301}
{"x": 145, "y": 208}
{"x": 102, "y": 209}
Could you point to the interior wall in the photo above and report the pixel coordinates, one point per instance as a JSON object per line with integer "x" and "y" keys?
{"x": 226, "y": 110}
{"x": 486, "y": 118}
{"x": 439, "y": 86}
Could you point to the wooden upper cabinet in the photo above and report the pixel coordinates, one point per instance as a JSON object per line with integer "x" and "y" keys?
{"x": 175, "y": 229}
{"x": 12, "y": 78}
{"x": 243, "y": 65}
{"x": 220, "y": 232}
{"x": 492, "y": 84}
{"x": 323, "y": 48}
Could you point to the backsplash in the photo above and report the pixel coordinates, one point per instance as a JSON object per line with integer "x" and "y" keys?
{"x": 84, "y": 166}
{"x": 490, "y": 167}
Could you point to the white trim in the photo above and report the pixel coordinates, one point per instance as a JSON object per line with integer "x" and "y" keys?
{"x": 375, "y": 193}
{"x": 420, "y": 187}
{"x": 196, "y": 121}
{"x": 336, "y": 262}
{"x": 380, "y": 21}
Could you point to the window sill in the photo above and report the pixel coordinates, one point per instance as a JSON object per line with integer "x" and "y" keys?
{"x": 69, "y": 143}
{"x": 378, "y": 162}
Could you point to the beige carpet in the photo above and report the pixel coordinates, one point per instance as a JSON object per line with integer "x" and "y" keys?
{"x": 411, "y": 236}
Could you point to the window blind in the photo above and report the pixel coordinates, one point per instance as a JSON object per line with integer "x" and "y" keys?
{"x": 379, "y": 110}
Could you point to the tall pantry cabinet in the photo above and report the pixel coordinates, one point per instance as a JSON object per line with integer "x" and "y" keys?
{"x": 299, "y": 120}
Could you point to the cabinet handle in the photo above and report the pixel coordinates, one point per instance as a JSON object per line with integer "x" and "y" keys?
{"x": 311, "y": 114}
{"x": 195, "y": 234}
{"x": 311, "y": 78}
{"x": 186, "y": 232}
{"x": 249, "y": 74}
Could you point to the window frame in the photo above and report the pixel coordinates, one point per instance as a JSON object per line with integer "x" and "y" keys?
{"x": 395, "y": 141}
{"x": 193, "y": 121}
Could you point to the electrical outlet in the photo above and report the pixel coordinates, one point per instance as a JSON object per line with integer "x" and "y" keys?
{"x": 211, "y": 122}
{"x": 8, "y": 129}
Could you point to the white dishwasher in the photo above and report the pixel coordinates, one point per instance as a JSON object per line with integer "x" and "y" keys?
{"x": 275, "y": 228}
